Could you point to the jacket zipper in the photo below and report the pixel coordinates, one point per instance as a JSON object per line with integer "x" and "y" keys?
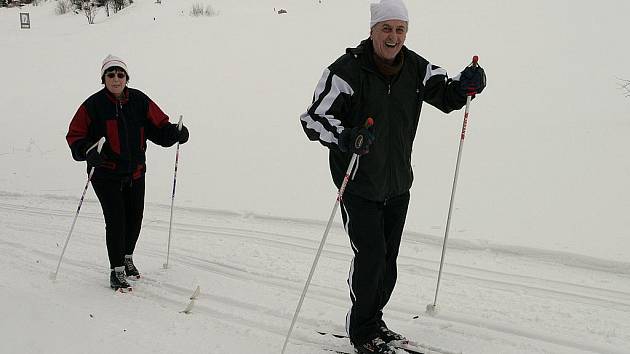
{"x": 126, "y": 128}
{"x": 390, "y": 168}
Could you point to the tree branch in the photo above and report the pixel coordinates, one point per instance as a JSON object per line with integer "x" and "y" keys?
{"x": 625, "y": 85}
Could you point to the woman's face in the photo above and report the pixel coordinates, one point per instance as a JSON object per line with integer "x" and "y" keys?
{"x": 115, "y": 81}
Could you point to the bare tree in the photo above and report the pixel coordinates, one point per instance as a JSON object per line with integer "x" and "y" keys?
{"x": 89, "y": 8}
{"x": 107, "y": 4}
{"x": 625, "y": 85}
{"x": 118, "y": 5}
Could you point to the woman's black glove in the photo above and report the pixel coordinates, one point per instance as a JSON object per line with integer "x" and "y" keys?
{"x": 94, "y": 158}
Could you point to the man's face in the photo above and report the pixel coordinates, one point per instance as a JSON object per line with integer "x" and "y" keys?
{"x": 388, "y": 38}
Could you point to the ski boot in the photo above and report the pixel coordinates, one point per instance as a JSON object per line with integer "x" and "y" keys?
{"x": 130, "y": 268}
{"x": 117, "y": 280}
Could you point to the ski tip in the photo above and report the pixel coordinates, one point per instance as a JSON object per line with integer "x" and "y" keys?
{"x": 195, "y": 293}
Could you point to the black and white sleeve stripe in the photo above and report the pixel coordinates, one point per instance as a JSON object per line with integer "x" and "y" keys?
{"x": 322, "y": 119}
{"x": 434, "y": 71}
{"x": 441, "y": 91}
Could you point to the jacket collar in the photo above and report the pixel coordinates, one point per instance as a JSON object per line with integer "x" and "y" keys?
{"x": 122, "y": 100}
{"x": 364, "y": 52}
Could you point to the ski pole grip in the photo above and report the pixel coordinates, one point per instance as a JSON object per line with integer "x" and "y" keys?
{"x": 179, "y": 124}
{"x": 100, "y": 143}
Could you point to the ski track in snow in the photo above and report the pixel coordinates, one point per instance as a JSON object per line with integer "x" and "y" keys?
{"x": 490, "y": 301}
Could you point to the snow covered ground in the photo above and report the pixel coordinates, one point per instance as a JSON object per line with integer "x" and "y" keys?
{"x": 538, "y": 256}
{"x": 251, "y": 270}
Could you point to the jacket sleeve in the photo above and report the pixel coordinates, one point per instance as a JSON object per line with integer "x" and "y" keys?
{"x": 323, "y": 120}
{"x": 441, "y": 91}
{"x": 78, "y": 134}
{"x": 159, "y": 130}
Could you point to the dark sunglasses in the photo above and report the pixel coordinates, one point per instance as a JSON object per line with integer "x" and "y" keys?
{"x": 120, "y": 75}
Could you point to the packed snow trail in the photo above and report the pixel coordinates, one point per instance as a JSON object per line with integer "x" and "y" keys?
{"x": 250, "y": 270}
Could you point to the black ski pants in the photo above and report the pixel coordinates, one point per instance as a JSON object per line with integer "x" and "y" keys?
{"x": 375, "y": 230}
{"x": 123, "y": 206}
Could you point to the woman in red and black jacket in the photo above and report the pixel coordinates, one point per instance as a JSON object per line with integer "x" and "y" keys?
{"x": 126, "y": 117}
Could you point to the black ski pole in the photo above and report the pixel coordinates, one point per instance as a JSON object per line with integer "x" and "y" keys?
{"x": 170, "y": 224}
{"x": 99, "y": 146}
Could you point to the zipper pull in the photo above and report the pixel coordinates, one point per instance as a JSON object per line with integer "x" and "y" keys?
{"x": 389, "y": 88}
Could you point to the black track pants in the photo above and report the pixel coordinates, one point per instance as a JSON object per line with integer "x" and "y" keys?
{"x": 375, "y": 230}
{"x": 123, "y": 207}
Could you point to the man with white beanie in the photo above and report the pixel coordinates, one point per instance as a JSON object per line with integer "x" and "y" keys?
{"x": 384, "y": 80}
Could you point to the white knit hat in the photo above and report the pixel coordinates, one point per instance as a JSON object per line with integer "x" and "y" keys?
{"x": 110, "y": 61}
{"x": 388, "y": 10}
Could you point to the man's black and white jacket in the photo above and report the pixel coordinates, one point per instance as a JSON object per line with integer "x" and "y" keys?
{"x": 351, "y": 90}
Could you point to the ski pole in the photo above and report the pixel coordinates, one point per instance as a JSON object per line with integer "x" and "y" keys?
{"x": 432, "y": 308}
{"x": 99, "y": 146}
{"x": 170, "y": 224}
{"x": 368, "y": 123}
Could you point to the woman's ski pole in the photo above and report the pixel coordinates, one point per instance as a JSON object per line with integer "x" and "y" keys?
{"x": 369, "y": 122}
{"x": 99, "y": 146}
{"x": 432, "y": 308}
{"x": 170, "y": 224}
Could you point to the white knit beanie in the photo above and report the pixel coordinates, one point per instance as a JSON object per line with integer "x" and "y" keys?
{"x": 110, "y": 61}
{"x": 388, "y": 10}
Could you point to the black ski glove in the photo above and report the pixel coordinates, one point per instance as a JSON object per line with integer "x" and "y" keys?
{"x": 472, "y": 80}
{"x": 356, "y": 140}
{"x": 94, "y": 158}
